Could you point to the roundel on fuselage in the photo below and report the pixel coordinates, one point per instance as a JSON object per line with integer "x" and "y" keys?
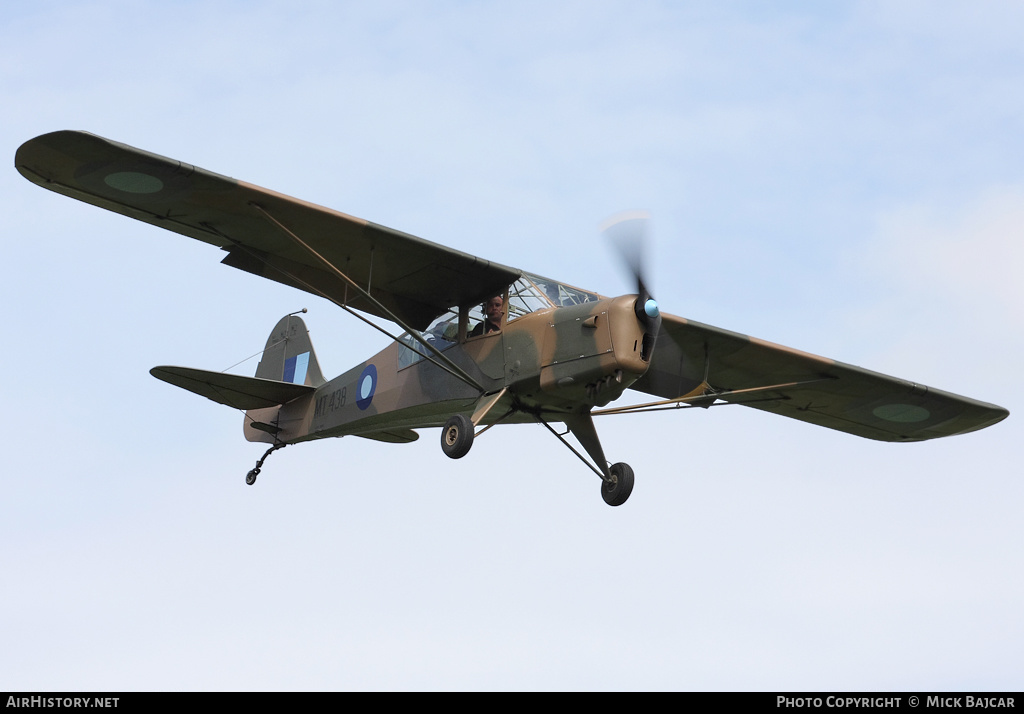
{"x": 366, "y": 386}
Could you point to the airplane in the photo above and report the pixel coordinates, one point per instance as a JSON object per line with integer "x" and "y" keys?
{"x": 541, "y": 351}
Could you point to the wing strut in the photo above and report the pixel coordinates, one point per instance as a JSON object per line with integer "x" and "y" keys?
{"x": 705, "y": 396}
{"x": 440, "y": 359}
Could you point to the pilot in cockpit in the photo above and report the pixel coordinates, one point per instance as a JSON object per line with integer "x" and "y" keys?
{"x": 493, "y": 310}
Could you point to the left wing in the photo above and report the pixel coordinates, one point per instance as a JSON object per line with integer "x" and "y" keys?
{"x": 693, "y": 357}
{"x": 413, "y": 279}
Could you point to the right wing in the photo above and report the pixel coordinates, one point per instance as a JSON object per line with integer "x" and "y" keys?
{"x": 691, "y": 356}
{"x": 414, "y": 279}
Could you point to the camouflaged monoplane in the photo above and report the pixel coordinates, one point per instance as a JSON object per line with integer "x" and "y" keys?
{"x": 555, "y": 354}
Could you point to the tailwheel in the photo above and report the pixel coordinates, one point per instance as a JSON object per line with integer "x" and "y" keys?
{"x": 250, "y": 478}
{"x": 616, "y": 490}
{"x": 457, "y": 436}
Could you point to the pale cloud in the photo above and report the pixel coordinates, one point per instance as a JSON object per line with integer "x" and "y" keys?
{"x": 969, "y": 253}
{"x": 940, "y": 296}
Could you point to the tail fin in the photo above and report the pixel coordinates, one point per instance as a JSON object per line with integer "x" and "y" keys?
{"x": 289, "y": 355}
{"x": 289, "y": 358}
{"x": 283, "y": 388}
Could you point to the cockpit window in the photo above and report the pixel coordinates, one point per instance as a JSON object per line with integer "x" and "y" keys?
{"x": 441, "y": 334}
{"x": 525, "y": 297}
{"x": 532, "y": 292}
{"x": 528, "y": 294}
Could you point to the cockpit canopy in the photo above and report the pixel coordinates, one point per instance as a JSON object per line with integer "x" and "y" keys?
{"x": 530, "y": 293}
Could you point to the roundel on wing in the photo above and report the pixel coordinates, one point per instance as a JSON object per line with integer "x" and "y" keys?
{"x": 366, "y": 386}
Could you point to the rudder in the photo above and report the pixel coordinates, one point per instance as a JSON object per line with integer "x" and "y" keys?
{"x": 289, "y": 355}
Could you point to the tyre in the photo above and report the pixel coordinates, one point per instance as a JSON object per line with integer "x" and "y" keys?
{"x": 616, "y": 491}
{"x": 457, "y": 436}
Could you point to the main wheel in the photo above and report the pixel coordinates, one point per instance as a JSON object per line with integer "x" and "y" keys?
{"x": 457, "y": 436}
{"x": 616, "y": 491}
{"x": 250, "y": 478}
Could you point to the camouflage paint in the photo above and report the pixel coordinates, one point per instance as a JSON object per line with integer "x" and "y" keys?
{"x": 556, "y": 363}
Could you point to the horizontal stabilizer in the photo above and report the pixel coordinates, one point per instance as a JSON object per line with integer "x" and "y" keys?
{"x": 230, "y": 389}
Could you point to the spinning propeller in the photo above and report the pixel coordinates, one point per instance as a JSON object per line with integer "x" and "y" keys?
{"x": 628, "y": 232}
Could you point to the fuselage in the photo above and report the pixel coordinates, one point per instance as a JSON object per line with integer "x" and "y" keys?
{"x": 550, "y": 361}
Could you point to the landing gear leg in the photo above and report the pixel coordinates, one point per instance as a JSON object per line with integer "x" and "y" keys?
{"x": 250, "y": 478}
{"x": 617, "y": 480}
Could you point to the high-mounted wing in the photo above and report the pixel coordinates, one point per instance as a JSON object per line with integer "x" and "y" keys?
{"x": 780, "y": 380}
{"x": 261, "y": 230}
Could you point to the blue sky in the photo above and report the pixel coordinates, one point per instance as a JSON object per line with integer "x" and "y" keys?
{"x": 845, "y": 180}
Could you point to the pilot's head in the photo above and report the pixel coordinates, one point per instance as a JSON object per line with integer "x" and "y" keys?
{"x": 493, "y": 309}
